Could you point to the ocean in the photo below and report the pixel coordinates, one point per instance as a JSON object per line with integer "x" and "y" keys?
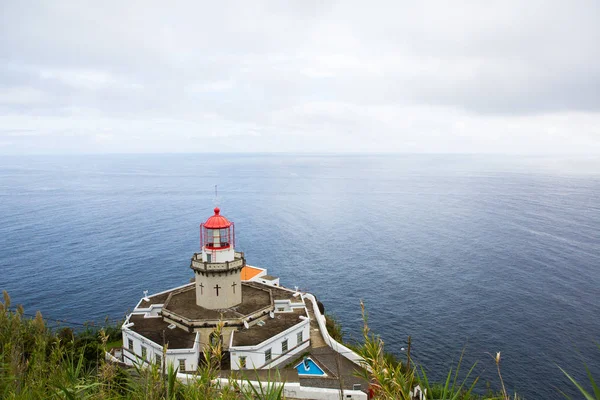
{"x": 487, "y": 253}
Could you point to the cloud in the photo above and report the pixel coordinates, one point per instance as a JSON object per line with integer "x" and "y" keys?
{"x": 19, "y": 95}
{"x": 504, "y": 76}
{"x": 215, "y": 86}
{"x": 87, "y": 79}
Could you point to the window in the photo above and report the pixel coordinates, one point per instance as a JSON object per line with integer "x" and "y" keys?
{"x": 158, "y": 359}
{"x": 242, "y": 362}
{"x": 224, "y": 237}
{"x": 130, "y": 344}
{"x": 299, "y": 337}
{"x": 144, "y": 352}
{"x": 181, "y": 365}
{"x": 284, "y": 346}
{"x": 267, "y": 356}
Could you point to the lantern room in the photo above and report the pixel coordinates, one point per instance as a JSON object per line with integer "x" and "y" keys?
{"x": 217, "y": 233}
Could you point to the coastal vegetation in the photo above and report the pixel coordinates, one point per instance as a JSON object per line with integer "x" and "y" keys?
{"x": 334, "y": 328}
{"x": 37, "y": 362}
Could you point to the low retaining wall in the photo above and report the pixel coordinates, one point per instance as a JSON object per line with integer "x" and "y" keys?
{"x": 297, "y": 391}
{"x": 336, "y": 346}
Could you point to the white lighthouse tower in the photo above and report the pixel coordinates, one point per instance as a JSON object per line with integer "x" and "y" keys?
{"x": 217, "y": 268}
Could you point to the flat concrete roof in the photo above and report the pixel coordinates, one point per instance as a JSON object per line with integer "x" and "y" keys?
{"x": 278, "y": 292}
{"x": 257, "y": 334}
{"x": 155, "y": 299}
{"x": 153, "y": 328}
{"x": 183, "y": 303}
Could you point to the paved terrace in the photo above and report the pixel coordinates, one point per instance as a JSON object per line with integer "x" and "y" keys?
{"x": 337, "y": 367}
{"x": 316, "y": 339}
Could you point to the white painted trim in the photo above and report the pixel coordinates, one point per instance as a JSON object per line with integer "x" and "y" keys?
{"x": 144, "y": 339}
{"x": 292, "y": 389}
{"x": 336, "y": 346}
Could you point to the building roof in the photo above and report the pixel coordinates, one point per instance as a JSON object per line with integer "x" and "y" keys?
{"x": 153, "y": 327}
{"x": 249, "y": 272}
{"x": 183, "y": 303}
{"x": 159, "y": 298}
{"x": 217, "y": 221}
{"x": 277, "y": 292}
{"x": 257, "y": 334}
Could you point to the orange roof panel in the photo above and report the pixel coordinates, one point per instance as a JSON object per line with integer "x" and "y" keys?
{"x": 249, "y": 272}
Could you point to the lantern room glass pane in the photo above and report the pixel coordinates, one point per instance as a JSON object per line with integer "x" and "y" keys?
{"x": 224, "y": 237}
{"x": 217, "y": 237}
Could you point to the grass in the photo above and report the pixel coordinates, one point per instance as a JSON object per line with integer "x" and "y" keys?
{"x": 38, "y": 363}
{"x": 334, "y": 328}
{"x": 595, "y": 394}
{"x": 391, "y": 378}
{"x": 114, "y": 344}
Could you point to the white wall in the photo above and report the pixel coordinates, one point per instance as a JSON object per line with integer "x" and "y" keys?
{"x": 227, "y": 254}
{"x": 274, "y": 282}
{"x": 296, "y": 391}
{"x": 255, "y": 355}
{"x": 152, "y": 349}
{"x": 283, "y": 306}
{"x": 229, "y": 295}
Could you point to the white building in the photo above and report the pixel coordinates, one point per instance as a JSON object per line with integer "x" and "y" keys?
{"x": 264, "y": 325}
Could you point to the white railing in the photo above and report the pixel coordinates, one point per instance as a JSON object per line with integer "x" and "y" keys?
{"x": 207, "y": 266}
{"x": 336, "y": 346}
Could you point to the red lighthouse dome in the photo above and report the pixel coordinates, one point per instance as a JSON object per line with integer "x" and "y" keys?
{"x": 217, "y": 221}
{"x": 217, "y": 233}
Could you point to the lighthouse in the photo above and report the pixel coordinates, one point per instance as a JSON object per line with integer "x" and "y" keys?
{"x": 262, "y": 324}
{"x": 217, "y": 268}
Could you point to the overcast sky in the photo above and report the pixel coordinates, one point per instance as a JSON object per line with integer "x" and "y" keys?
{"x": 305, "y": 76}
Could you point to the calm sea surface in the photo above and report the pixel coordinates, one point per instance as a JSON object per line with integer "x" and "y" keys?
{"x": 488, "y": 252}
